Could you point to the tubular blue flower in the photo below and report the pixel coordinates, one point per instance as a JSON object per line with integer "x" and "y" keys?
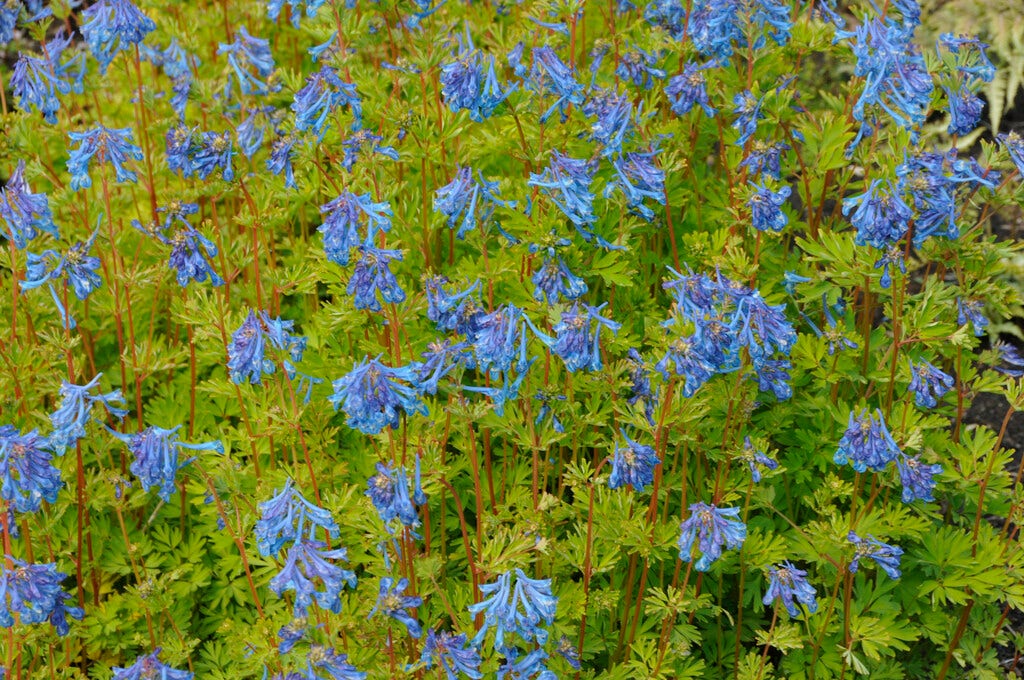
{"x": 76, "y": 265}
{"x": 495, "y": 341}
{"x": 452, "y": 311}
{"x": 545, "y": 397}
{"x": 530, "y": 666}
{"x": 246, "y": 353}
{"x": 640, "y": 389}
{"x": 336, "y": 665}
{"x": 274, "y": 8}
{"x": 9, "y": 12}
{"x": 363, "y": 142}
{"x": 343, "y": 219}
{"x": 373, "y": 395}
{"x": 111, "y": 26}
{"x": 1013, "y": 142}
{"x": 461, "y": 198}
{"x": 306, "y": 563}
{"x": 156, "y": 452}
{"x": 1011, "y": 359}
{"x": 24, "y": 213}
{"x": 638, "y": 177}
{"x": 280, "y": 160}
{"x": 688, "y": 362}
{"x": 371, "y": 275}
{"x": 181, "y": 147}
{"x": 107, "y": 145}
{"x": 766, "y": 208}
{"x": 633, "y": 464}
{"x": 613, "y": 124}
{"x": 450, "y": 652}
{"x": 892, "y": 257}
{"x": 213, "y": 153}
{"x": 881, "y": 217}
{"x": 553, "y": 279}
{"x": 291, "y": 633}
{"x": 322, "y": 94}
{"x": 964, "y": 110}
{"x": 867, "y": 444}
{"x": 38, "y": 82}
{"x": 689, "y": 88}
{"x": 748, "y": 113}
{"x": 786, "y": 583}
{"x": 577, "y": 337}
{"x": 550, "y": 75}
{"x": 75, "y": 409}
{"x": 440, "y": 358}
{"x": 288, "y": 517}
{"x": 391, "y": 602}
{"x": 177, "y": 65}
{"x": 509, "y": 389}
{"x": 388, "y": 490}
{"x": 756, "y": 460}
{"x": 568, "y": 651}
{"x": 464, "y": 85}
{"x": 520, "y": 609}
{"x": 567, "y": 181}
{"x": 27, "y": 470}
{"x": 773, "y": 376}
{"x": 970, "y": 311}
{"x": 33, "y": 591}
{"x": 710, "y": 527}
{"x": 187, "y": 245}
{"x": 765, "y": 158}
{"x": 252, "y": 62}
{"x": 639, "y": 68}
{"x": 887, "y": 556}
{"x": 929, "y": 384}
{"x": 917, "y": 478}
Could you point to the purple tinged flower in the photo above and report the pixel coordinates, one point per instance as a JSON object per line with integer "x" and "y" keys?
{"x": 640, "y": 388}
{"x": 75, "y": 409}
{"x": 9, "y": 12}
{"x": 881, "y": 217}
{"x": 928, "y": 383}
{"x": 187, "y": 244}
{"x": 180, "y": 148}
{"x": 633, "y": 464}
{"x": 530, "y": 666}
{"x": 373, "y": 395}
{"x": 363, "y": 142}
{"x": 1013, "y": 142}
{"x": 349, "y": 220}
{"x": 280, "y": 160}
{"x": 567, "y": 650}
{"x": 252, "y": 62}
{"x": 38, "y": 82}
{"x": 452, "y": 311}
{"x": 766, "y": 208}
{"x": 554, "y": 280}
{"x": 156, "y": 452}
{"x": 786, "y": 583}
{"x": 520, "y": 609}
{"x": 773, "y": 376}
{"x": 306, "y": 563}
{"x": 371, "y": 275}
{"x": 107, "y": 145}
{"x": 27, "y": 470}
{"x": 687, "y": 361}
{"x": 687, "y": 89}
{"x": 867, "y": 444}
{"x": 639, "y": 68}
{"x": 710, "y": 527}
{"x": 638, "y": 177}
{"x": 388, "y": 490}
{"x": 247, "y": 361}
{"x": 274, "y": 8}
{"x": 748, "y": 113}
{"x": 450, "y": 652}
{"x": 322, "y": 94}
{"x": 111, "y": 26}
{"x": 567, "y": 181}
{"x": 765, "y": 158}
{"x": 917, "y": 478}
{"x": 467, "y": 202}
{"x": 550, "y": 75}
{"x": 290, "y": 517}
{"x": 613, "y": 124}
{"x": 33, "y": 591}
{"x": 970, "y": 311}
{"x": 291, "y": 633}
{"x": 756, "y": 460}
{"x": 214, "y": 152}
{"x": 336, "y": 665}
{"x": 440, "y": 358}
{"x": 577, "y": 336}
{"x": 79, "y": 268}
{"x": 391, "y": 602}
{"x": 964, "y": 110}
{"x": 495, "y": 341}
{"x": 464, "y": 85}
{"x": 887, "y": 556}
{"x": 1013, "y": 361}
{"x": 24, "y": 212}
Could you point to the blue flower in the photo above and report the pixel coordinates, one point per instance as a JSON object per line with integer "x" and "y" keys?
{"x": 372, "y": 274}
{"x": 766, "y": 208}
{"x": 567, "y": 181}
{"x": 639, "y": 68}
{"x": 246, "y": 353}
{"x": 356, "y": 144}
{"x": 550, "y": 75}
{"x": 1013, "y": 142}
{"x": 687, "y": 89}
{"x": 640, "y": 388}
{"x": 787, "y": 583}
{"x": 971, "y": 311}
{"x": 756, "y": 460}
{"x": 38, "y": 82}
{"x": 107, "y": 145}
{"x": 520, "y": 609}
{"x": 440, "y": 358}
{"x": 614, "y": 120}
{"x": 710, "y": 527}
{"x": 881, "y": 217}
{"x": 149, "y": 667}
{"x": 35, "y": 595}
{"x": 156, "y": 452}
{"x": 389, "y": 492}
{"x": 887, "y": 556}
{"x": 933, "y": 180}
{"x": 289, "y": 517}
{"x": 553, "y": 279}
{"x": 80, "y": 269}
{"x": 450, "y": 652}
{"x": 748, "y": 113}
{"x": 765, "y": 158}
{"x": 464, "y": 85}
{"x": 867, "y": 444}
{"x": 274, "y": 8}
{"x": 324, "y": 92}
{"x": 545, "y": 397}
{"x": 187, "y": 245}
{"x": 322, "y": 658}
{"x": 374, "y": 396}
{"x": 111, "y": 26}
{"x": 180, "y": 149}
{"x": 568, "y": 651}
{"x": 495, "y": 341}
{"x": 1010, "y": 356}
{"x": 964, "y": 110}
{"x": 928, "y": 384}
{"x": 688, "y": 361}
{"x": 291, "y": 633}
{"x": 530, "y": 666}
{"x": 24, "y": 213}
{"x": 280, "y": 160}
{"x": 773, "y": 376}
{"x": 71, "y": 417}
{"x": 213, "y": 153}
{"x": 633, "y": 464}
{"x": 638, "y": 177}
{"x": 452, "y": 311}
{"x": 461, "y": 198}
{"x": 252, "y": 62}
{"x": 177, "y": 65}
{"x": 27, "y": 470}
{"x": 306, "y": 563}
{"x": 917, "y": 478}
{"x": 577, "y": 337}
{"x": 391, "y": 602}
{"x": 343, "y": 218}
